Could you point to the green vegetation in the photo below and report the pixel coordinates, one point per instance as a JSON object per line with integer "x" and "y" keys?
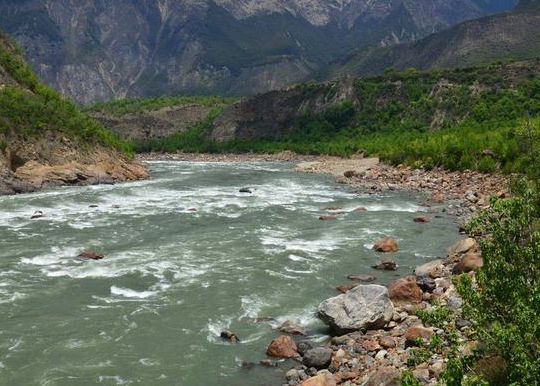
{"x": 28, "y": 108}
{"x": 129, "y": 106}
{"x": 438, "y": 316}
{"x": 465, "y": 119}
{"x": 504, "y": 302}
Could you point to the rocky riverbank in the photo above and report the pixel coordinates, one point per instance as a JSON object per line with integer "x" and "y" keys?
{"x": 408, "y": 332}
{"x": 26, "y": 170}
{"x": 383, "y": 335}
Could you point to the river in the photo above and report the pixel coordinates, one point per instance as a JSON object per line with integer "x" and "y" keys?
{"x": 187, "y": 255}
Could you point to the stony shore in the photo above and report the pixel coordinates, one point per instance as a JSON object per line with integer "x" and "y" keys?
{"x": 410, "y": 329}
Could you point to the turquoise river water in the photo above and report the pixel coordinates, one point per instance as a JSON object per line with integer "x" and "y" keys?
{"x": 151, "y": 312}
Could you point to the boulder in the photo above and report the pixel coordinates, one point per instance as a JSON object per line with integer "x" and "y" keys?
{"x": 387, "y": 342}
{"x": 319, "y": 357}
{"x": 386, "y": 265}
{"x": 325, "y": 379}
{"x": 386, "y": 246}
{"x": 405, "y": 291}
{"x": 282, "y": 347}
{"x": 91, "y": 255}
{"x": 292, "y": 328}
{"x": 229, "y": 336}
{"x": 432, "y": 269}
{"x": 469, "y": 262}
{"x": 362, "y": 308}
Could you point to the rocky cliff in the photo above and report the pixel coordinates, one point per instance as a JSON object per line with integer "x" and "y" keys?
{"x": 100, "y": 50}
{"x": 45, "y": 141}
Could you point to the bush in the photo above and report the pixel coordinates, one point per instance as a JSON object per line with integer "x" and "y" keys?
{"x": 504, "y": 302}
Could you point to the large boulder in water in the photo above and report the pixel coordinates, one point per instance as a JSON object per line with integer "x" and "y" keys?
{"x": 362, "y": 308}
{"x": 282, "y": 347}
{"x": 386, "y": 246}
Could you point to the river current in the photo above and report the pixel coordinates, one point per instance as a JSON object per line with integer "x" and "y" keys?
{"x": 187, "y": 256}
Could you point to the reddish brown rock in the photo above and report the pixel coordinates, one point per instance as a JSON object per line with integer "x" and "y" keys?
{"x": 282, "y": 347}
{"x": 405, "y": 290}
{"x": 470, "y": 262}
{"x": 386, "y": 246}
{"x": 421, "y": 220}
{"x": 91, "y": 255}
{"x": 370, "y": 345}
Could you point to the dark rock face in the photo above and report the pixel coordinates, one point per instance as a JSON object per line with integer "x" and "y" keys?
{"x": 98, "y": 50}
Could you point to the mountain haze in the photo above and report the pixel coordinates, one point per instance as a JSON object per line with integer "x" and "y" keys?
{"x": 94, "y": 50}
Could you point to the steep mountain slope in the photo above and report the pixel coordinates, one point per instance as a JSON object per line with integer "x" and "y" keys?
{"x": 46, "y": 141}
{"x": 507, "y": 36}
{"x": 96, "y": 50}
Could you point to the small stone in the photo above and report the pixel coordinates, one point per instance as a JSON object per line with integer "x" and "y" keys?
{"x": 293, "y": 375}
{"x": 426, "y": 284}
{"x": 37, "y": 214}
{"x": 328, "y": 218}
{"x": 387, "y": 342}
{"x": 421, "y": 375}
{"x": 381, "y": 355}
{"x": 387, "y": 245}
{"x": 386, "y": 265}
{"x": 421, "y": 220}
{"x": 246, "y": 190}
{"x": 360, "y": 210}
{"x": 362, "y": 277}
{"x": 91, "y": 255}
{"x": 370, "y": 345}
{"x": 229, "y": 336}
{"x": 349, "y": 174}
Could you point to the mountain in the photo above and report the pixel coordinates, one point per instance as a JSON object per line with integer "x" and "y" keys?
{"x": 507, "y": 36}
{"x": 96, "y": 50}
{"x": 45, "y": 141}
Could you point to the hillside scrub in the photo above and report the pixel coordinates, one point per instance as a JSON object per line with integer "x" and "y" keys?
{"x": 28, "y": 108}
{"x": 463, "y": 119}
{"x": 123, "y": 107}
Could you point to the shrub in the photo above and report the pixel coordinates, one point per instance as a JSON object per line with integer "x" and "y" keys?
{"x": 504, "y": 302}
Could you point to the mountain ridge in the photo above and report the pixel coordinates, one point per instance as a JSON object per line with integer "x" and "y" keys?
{"x": 94, "y": 51}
